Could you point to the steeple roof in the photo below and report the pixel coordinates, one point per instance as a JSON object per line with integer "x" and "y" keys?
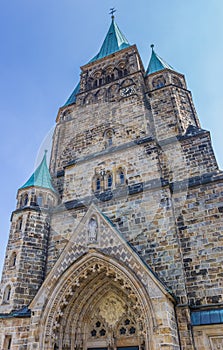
{"x": 73, "y": 96}
{"x": 156, "y": 63}
{"x": 114, "y": 41}
{"x": 41, "y": 177}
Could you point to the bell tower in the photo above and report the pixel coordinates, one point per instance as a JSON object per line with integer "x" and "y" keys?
{"x": 170, "y": 101}
{"x": 113, "y": 79}
{"x": 25, "y": 261}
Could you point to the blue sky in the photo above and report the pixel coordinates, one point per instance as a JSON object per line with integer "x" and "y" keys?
{"x": 43, "y": 44}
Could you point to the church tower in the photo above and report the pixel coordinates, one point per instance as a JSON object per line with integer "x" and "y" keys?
{"x": 25, "y": 263}
{"x": 118, "y": 245}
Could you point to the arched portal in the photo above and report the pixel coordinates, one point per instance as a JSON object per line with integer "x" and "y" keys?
{"x": 108, "y": 318}
{"x": 98, "y": 304}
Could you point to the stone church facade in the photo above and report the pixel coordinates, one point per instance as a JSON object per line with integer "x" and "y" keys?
{"x": 119, "y": 244}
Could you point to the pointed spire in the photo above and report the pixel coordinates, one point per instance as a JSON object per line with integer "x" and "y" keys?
{"x": 156, "y": 63}
{"x": 114, "y": 41}
{"x": 41, "y": 176}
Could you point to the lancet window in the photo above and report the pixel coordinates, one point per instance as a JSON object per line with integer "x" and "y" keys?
{"x": 7, "y": 294}
{"x": 19, "y": 224}
{"x": 120, "y": 177}
{"x": 13, "y": 259}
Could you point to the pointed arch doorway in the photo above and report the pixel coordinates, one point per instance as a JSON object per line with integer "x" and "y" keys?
{"x": 101, "y": 305}
{"x": 109, "y": 318}
{"x": 111, "y": 322}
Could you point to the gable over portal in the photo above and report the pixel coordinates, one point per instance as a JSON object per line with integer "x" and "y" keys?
{"x": 99, "y": 279}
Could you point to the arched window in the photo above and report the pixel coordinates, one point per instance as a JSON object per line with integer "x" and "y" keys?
{"x": 98, "y": 184}
{"x": 121, "y": 177}
{"x": 40, "y": 200}
{"x": 33, "y": 200}
{"x": 159, "y": 82}
{"x": 109, "y": 180}
{"x": 25, "y": 200}
{"x": 90, "y": 83}
{"x": 120, "y": 73}
{"x": 109, "y": 141}
{"x": 108, "y": 79}
{"x": 7, "y": 342}
{"x": 21, "y": 202}
{"x": 19, "y": 224}
{"x": 7, "y": 294}
{"x": 13, "y": 259}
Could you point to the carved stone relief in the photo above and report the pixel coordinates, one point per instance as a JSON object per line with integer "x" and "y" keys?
{"x": 111, "y": 309}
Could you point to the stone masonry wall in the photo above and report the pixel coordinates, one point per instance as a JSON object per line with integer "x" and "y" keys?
{"x": 199, "y": 219}
{"x": 147, "y": 219}
{"x": 136, "y": 164}
{"x": 187, "y": 157}
{"x": 29, "y": 243}
{"x": 84, "y": 134}
{"x": 17, "y": 329}
{"x": 172, "y": 111}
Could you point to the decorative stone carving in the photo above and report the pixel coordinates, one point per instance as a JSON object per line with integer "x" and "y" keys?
{"x": 216, "y": 343}
{"x": 111, "y": 309}
{"x": 92, "y": 230}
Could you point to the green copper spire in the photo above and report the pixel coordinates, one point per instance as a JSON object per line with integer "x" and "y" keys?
{"x": 114, "y": 41}
{"x": 73, "y": 96}
{"x": 41, "y": 177}
{"x": 156, "y": 63}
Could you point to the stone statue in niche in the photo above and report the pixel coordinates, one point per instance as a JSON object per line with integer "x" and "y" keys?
{"x": 92, "y": 230}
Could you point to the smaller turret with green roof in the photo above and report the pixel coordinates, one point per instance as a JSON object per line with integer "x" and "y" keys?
{"x": 38, "y": 189}
{"x": 28, "y": 240}
{"x": 169, "y": 87}
{"x": 156, "y": 63}
{"x": 41, "y": 176}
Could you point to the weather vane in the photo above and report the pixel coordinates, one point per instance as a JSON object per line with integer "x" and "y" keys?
{"x": 112, "y": 11}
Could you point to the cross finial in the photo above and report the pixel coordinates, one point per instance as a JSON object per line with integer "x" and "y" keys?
{"x": 152, "y": 46}
{"x": 112, "y": 11}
